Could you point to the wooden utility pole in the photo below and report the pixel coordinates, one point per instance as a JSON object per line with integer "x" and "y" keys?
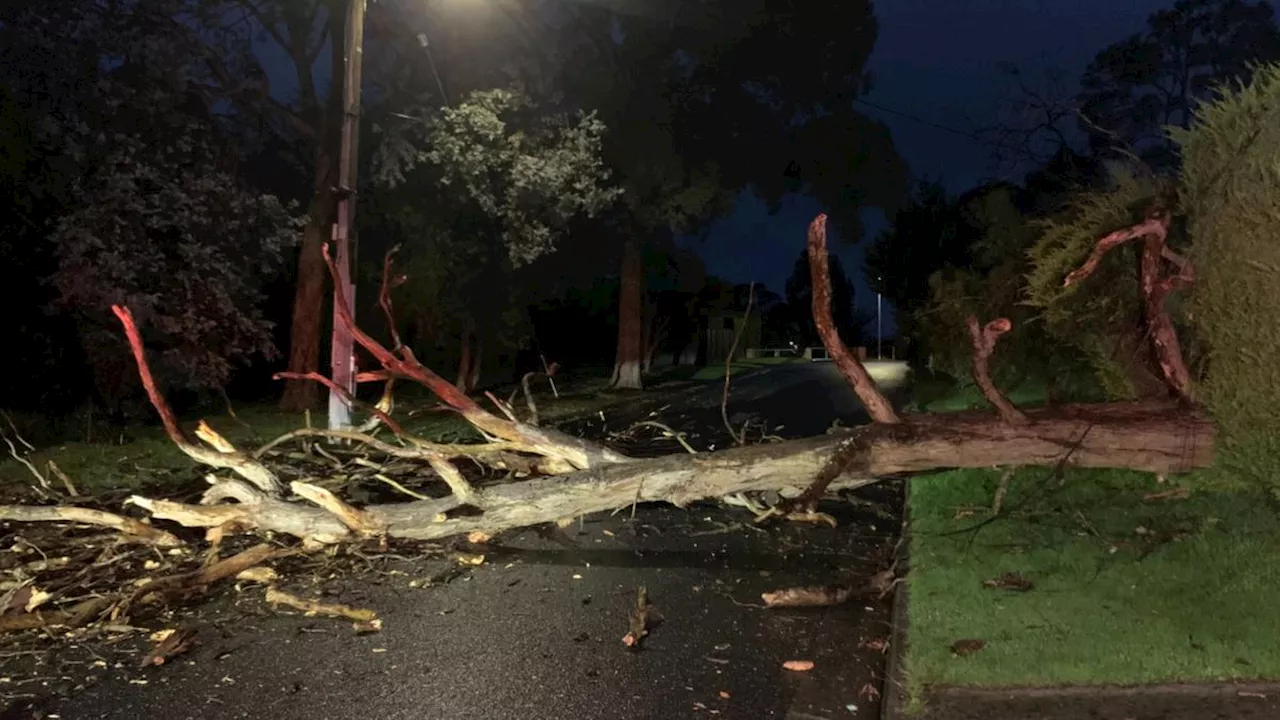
{"x": 342, "y": 354}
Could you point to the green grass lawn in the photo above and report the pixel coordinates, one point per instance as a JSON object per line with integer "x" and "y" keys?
{"x": 1126, "y": 588}
{"x": 715, "y": 371}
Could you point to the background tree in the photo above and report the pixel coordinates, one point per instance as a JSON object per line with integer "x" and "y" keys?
{"x": 1231, "y": 169}
{"x": 698, "y": 111}
{"x": 515, "y": 176}
{"x": 142, "y": 192}
{"x": 799, "y": 304}
{"x": 1134, "y": 89}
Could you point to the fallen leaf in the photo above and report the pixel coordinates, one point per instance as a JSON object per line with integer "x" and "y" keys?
{"x": 169, "y": 643}
{"x": 798, "y": 665}
{"x": 465, "y": 559}
{"x": 967, "y": 647}
{"x": 876, "y": 644}
{"x": 1009, "y": 581}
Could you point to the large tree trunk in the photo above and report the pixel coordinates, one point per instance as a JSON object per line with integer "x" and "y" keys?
{"x": 308, "y": 301}
{"x": 464, "y": 362}
{"x": 1160, "y": 438}
{"x": 627, "y": 365}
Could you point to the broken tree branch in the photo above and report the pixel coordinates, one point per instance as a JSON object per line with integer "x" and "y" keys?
{"x": 1144, "y": 436}
{"x": 574, "y": 453}
{"x": 132, "y": 529}
{"x": 984, "y": 343}
{"x": 347, "y": 397}
{"x": 243, "y": 465}
{"x": 1156, "y": 286}
{"x": 878, "y": 407}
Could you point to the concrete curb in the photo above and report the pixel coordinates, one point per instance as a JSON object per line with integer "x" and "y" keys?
{"x": 893, "y": 695}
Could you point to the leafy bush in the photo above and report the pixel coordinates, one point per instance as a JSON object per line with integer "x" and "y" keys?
{"x": 1231, "y": 193}
{"x": 161, "y": 225}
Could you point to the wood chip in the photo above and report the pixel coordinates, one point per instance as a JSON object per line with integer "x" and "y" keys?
{"x": 807, "y": 596}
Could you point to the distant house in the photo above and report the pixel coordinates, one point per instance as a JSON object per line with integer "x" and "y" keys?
{"x": 718, "y": 327}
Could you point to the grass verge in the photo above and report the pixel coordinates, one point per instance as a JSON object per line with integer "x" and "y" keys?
{"x": 1133, "y": 581}
{"x": 141, "y": 455}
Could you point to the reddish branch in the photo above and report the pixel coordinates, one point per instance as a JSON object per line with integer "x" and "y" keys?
{"x": 226, "y": 457}
{"x": 878, "y": 407}
{"x": 1157, "y": 282}
{"x": 384, "y": 294}
{"x": 347, "y": 397}
{"x": 577, "y": 453}
{"x": 984, "y": 342}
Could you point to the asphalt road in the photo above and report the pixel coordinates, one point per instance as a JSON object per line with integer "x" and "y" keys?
{"x": 535, "y": 632}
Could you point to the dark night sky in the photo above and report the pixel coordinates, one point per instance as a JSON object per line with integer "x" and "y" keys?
{"x": 936, "y": 60}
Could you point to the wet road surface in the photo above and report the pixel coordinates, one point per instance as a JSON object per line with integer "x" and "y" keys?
{"x": 535, "y": 632}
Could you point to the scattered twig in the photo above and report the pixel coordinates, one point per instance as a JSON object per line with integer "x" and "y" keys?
{"x": 171, "y": 643}
{"x": 350, "y": 400}
{"x": 550, "y": 371}
{"x": 56, "y": 471}
{"x": 807, "y": 596}
{"x": 528, "y": 398}
{"x": 276, "y": 596}
{"x": 643, "y": 618}
{"x": 997, "y": 502}
{"x": 667, "y": 429}
{"x": 44, "y": 488}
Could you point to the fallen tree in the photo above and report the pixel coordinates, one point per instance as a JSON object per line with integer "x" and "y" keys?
{"x": 567, "y": 477}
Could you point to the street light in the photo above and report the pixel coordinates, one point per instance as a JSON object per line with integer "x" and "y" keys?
{"x": 879, "y": 332}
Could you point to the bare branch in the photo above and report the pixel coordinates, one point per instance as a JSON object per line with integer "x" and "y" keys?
{"x": 244, "y": 466}
{"x": 132, "y": 529}
{"x": 984, "y": 343}
{"x": 878, "y": 407}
